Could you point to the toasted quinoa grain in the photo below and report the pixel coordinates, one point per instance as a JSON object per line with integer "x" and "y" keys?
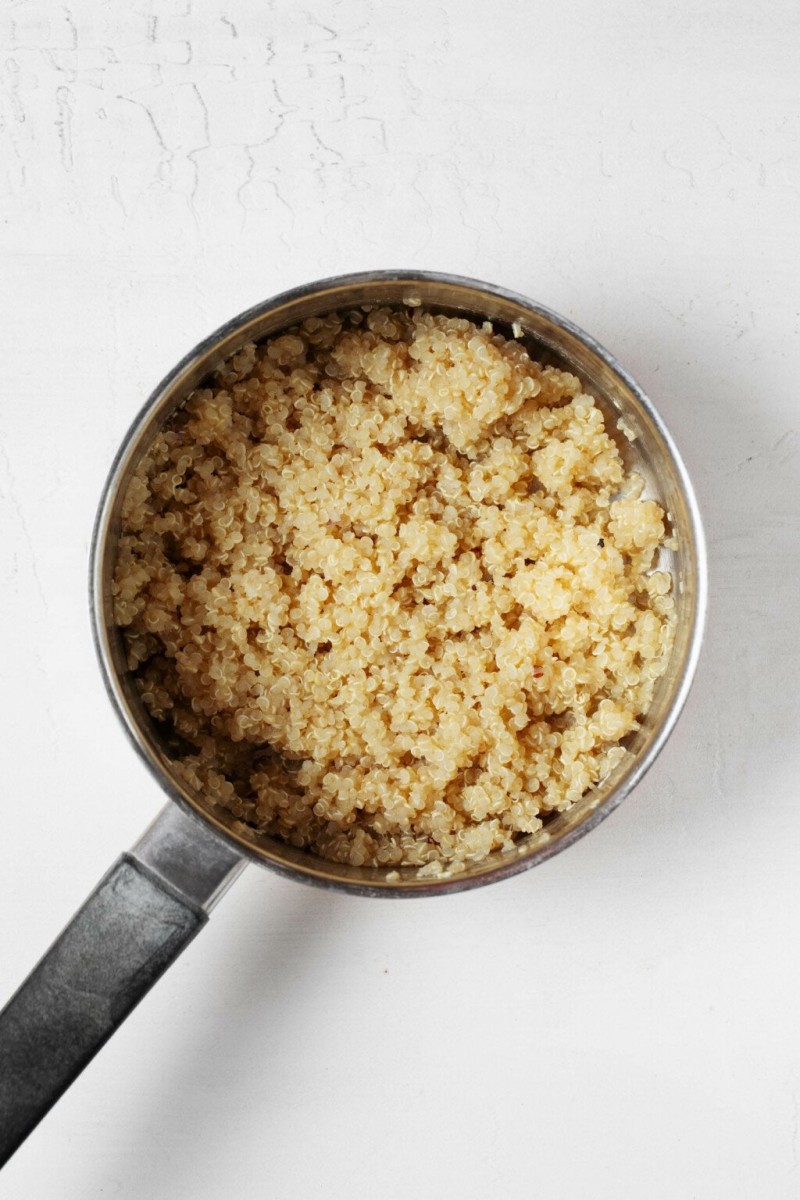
{"x": 387, "y": 579}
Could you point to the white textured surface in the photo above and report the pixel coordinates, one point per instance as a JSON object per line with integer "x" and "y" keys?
{"x": 624, "y": 1021}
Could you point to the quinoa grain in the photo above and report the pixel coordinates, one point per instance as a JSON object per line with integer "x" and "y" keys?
{"x": 387, "y": 579}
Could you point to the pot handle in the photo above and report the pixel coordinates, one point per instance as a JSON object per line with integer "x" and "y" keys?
{"x": 136, "y": 922}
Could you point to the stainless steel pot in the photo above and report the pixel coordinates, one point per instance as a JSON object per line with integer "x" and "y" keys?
{"x": 156, "y": 898}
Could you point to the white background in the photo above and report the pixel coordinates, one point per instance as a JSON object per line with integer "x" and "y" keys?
{"x": 623, "y": 1022}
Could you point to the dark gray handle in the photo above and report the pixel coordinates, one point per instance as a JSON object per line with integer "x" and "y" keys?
{"x": 113, "y": 950}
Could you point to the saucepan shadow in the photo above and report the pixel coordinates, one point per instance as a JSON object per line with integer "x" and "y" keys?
{"x": 272, "y": 960}
{"x": 722, "y": 428}
{"x": 743, "y": 461}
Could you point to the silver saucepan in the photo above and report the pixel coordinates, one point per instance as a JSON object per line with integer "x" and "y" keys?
{"x": 156, "y": 897}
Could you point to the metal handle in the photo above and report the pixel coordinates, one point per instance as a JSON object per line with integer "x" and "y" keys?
{"x": 137, "y": 921}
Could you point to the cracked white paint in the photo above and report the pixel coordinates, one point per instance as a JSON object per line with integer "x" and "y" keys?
{"x": 623, "y": 1022}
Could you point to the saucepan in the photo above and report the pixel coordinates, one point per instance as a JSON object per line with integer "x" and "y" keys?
{"x": 156, "y": 897}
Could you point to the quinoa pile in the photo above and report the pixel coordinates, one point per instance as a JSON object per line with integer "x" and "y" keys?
{"x": 388, "y": 580}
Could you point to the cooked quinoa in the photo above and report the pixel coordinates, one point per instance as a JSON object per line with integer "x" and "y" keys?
{"x": 387, "y": 578}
